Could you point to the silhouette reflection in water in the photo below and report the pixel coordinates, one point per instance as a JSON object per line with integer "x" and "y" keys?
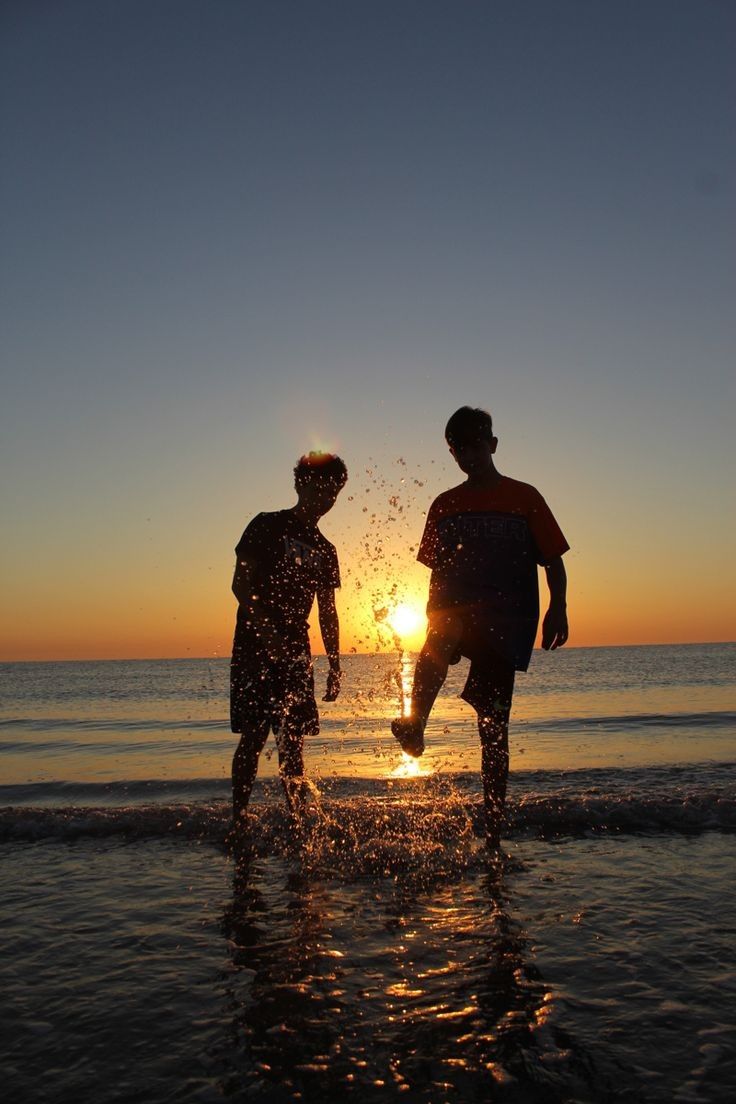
{"x": 388, "y": 988}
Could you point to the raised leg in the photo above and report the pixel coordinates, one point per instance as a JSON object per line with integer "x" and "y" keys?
{"x": 443, "y": 639}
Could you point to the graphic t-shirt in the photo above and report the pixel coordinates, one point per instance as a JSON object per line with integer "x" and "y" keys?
{"x": 483, "y": 546}
{"x": 293, "y": 561}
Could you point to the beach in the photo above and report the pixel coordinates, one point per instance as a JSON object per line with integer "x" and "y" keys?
{"x": 387, "y": 956}
{"x": 316, "y": 316}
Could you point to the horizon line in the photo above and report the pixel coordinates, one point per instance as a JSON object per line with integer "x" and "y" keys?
{"x": 347, "y": 655}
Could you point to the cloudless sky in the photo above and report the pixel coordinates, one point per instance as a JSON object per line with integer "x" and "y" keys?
{"x": 233, "y": 231}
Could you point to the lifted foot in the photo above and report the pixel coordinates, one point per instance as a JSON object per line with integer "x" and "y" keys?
{"x": 410, "y": 734}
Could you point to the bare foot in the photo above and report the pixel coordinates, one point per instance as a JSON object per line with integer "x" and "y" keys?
{"x": 410, "y": 734}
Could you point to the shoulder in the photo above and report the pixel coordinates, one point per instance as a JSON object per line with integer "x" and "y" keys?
{"x": 272, "y": 519}
{"x": 527, "y": 500}
{"x": 506, "y": 495}
{"x": 326, "y": 545}
{"x": 257, "y": 524}
{"x": 259, "y": 528}
{"x": 448, "y": 500}
{"x": 263, "y": 518}
{"x": 522, "y": 492}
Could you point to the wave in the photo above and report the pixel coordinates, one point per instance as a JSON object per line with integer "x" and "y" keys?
{"x": 118, "y": 747}
{"x": 622, "y": 721}
{"x": 437, "y": 817}
{"x": 670, "y": 776}
{"x": 115, "y": 724}
{"x": 120, "y": 793}
{"x": 711, "y": 719}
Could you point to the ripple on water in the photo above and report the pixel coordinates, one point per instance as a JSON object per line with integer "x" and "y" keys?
{"x": 573, "y": 971}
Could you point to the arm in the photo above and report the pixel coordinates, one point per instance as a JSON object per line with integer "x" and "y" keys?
{"x": 243, "y": 582}
{"x": 330, "y": 630}
{"x": 554, "y": 626}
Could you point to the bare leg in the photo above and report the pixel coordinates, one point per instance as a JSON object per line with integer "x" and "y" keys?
{"x": 443, "y": 639}
{"x": 291, "y": 769}
{"x": 245, "y": 768}
{"x": 493, "y": 728}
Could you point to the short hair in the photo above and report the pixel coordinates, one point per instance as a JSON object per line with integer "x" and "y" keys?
{"x": 469, "y": 424}
{"x": 322, "y": 466}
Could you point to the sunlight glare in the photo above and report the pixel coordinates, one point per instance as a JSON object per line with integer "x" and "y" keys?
{"x": 405, "y": 619}
{"x": 409, "y": 767}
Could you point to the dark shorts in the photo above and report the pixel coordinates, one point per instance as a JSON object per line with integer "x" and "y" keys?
{"x": 508, "y": 634}
{"x": 489, "y": 686}
{"x": 272, "y": 694}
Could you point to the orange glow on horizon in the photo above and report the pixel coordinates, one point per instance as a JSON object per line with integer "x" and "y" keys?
{"x": 151, "y": 603}
{"x": 118, "y": 630}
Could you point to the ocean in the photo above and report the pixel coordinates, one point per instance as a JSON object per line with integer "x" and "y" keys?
{"x": 387, "y": 956}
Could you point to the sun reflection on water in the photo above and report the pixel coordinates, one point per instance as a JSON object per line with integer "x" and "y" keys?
{"x": 410, "y": 768}
{"x": 405, "y": 679}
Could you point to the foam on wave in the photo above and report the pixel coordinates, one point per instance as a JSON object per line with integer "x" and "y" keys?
{"x": 440, "y": 819}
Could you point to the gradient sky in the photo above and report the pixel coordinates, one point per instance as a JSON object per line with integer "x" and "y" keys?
{"x": 233, "y": 231}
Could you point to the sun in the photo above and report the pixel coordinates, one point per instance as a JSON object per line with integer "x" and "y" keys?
{"x": 405, "y": 619}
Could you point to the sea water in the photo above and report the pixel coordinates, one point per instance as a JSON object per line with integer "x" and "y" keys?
{"x": 386, "y": 956}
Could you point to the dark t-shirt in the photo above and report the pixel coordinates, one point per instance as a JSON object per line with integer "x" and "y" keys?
{"x": 483, "y": 546}
{"x": 292, "y": 562}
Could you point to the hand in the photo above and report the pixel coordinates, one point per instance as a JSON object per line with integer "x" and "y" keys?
{"x": 333, "y": 685}
{"x": 554, "y": 629}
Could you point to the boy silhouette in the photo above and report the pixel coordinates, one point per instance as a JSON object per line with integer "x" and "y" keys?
{"x": 483, "y": 540}
{"x": 283, "y": 561}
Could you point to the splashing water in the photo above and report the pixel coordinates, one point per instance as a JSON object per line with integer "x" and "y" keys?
{"x": 425, "y": 827}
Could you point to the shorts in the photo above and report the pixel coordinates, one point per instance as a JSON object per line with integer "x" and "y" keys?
{"x": 489, "y": 686}
{"x": 278, "y": 694}
{"x": 508, "y": 635}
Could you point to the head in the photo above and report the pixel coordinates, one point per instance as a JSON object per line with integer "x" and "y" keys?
{"x": 318, "y": 478}
{"x": 469, "y": 433}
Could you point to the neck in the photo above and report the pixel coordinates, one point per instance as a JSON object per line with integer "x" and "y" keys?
{"x": 488, "y": 477}
{"x": 305, "y": 514}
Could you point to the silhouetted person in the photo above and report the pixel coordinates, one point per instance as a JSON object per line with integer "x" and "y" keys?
{"x": 283, "y": 561}
{"x": 483, "y": 540}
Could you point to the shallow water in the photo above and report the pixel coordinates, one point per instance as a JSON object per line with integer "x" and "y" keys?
{"x": 160, "y": 971}
{"x": 113, "y": 721}
{"x": 386, "y": 956}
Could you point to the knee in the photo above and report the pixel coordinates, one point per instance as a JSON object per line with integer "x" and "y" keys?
{"x": 446, "y": 625}
{"x": 494, "y": 756}
{"x": 247, "y": 753}
{"x": 445, "y": 632}
{"x": 244, "y": 761}
{"x": 494, "y": 732}
{"x": 291, "y": 760}
{"x": 291, "y": 766}
{"x": 493, "y": 726}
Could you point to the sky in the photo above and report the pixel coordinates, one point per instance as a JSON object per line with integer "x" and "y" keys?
{"x": 234, "y": 231}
